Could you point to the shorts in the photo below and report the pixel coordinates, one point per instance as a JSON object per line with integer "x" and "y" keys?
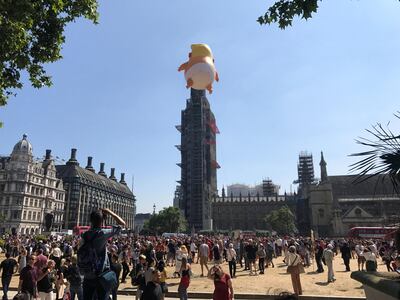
{"x": 361, "y": 259}
{"x": 203, "y": 260}
{"x": 252, "y": 261}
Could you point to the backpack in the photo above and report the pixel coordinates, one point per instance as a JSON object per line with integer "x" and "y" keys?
{"x": 88, "y": 260}
{"x": 73, "y": 276}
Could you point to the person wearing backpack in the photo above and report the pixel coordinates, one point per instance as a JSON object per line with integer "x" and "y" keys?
{"x": 93, "y": 260}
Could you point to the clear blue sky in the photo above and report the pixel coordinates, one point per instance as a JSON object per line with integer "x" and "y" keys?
{"x": 117, "y": 94}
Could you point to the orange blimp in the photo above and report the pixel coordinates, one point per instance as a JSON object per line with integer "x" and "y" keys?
{"x": 199, "y": 70}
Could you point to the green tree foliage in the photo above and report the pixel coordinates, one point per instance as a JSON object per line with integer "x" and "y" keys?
{"x": 282, "y": 220}
{"x": 169, "y": 219}
{"x": 283, "y": 12}
{"x": 31, "y": 35}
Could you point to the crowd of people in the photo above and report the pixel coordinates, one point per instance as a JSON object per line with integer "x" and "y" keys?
{"x": 93, "y": 265}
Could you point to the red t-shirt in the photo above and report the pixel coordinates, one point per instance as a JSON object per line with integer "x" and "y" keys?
{"x": 221, "y": 291}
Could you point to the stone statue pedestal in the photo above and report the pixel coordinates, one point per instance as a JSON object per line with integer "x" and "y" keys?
{"x": 379, "y": 285}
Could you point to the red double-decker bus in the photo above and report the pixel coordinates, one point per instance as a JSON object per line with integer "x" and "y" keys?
{"x": 78, "y": 230}
{"x": 370, "y": 232}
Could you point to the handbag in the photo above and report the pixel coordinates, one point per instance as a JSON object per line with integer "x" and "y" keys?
{"x": 21, "y": 296}
{"x": 108, "y": 280}
{"x": 301, "y": 268}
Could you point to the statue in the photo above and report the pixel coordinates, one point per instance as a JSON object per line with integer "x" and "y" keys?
{"x": 48, "y": 221}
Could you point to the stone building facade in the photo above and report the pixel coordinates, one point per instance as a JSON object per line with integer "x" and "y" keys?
{"x": 30, "y": 193}
{"x": 337, "y": 203}
{"x": 247, "y": 212}
{"x": 87, "y": 190}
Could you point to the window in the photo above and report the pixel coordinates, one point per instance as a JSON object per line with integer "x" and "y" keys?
{"x": 29, "y": 215}
{"x": 31, "y": 202}
{"x": 357, "y": 212}
{"x": 321, "y": 212}
{"x": 24, "y": 215}
{"x": 20, "y": 187}
{"x": 34, "y": 215}
{"x": 38, "y": 216}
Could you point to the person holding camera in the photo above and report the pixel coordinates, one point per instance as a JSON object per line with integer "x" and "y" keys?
{"x": 93, "y": 260}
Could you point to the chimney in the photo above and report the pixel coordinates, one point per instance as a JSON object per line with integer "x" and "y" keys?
{"x": 48, "y": 154}
{"x": 101, "y": 172}
{"x": 89, "y": 164}
{"x": 112, "y": 176}
{"x": 72, "y": 161}
{"x": 122, "y": 181}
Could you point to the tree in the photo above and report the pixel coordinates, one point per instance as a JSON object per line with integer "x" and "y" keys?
{"x": 31, "y": 35}
{"x": 169, "y": 219}
{"x": 282, "y": 220}
{"x": 382, "y": 158}
{"x": 283, "y": 12}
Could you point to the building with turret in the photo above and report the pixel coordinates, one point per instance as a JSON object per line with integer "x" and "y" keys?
{"x": 87, "y": 190}
{"x": 31, "y": 196}
{"x": 335, "y": 204}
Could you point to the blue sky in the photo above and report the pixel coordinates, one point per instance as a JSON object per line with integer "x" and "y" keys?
{"x": 117, "y": 94}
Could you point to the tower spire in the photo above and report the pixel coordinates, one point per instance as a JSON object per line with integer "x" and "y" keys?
{"x": 324, "y": 173}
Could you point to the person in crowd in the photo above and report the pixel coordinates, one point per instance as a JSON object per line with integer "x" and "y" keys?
{"x": 124, "y": 258}
{"x": 139, "y": 278}
{"x": 8, "y": 267}
{"x": 370, "y": 260}
{"x": 216, "y": 254}
{"x": 193, "y": 250}
{"x": 148, "y": 274}
{"x": 269, "y": 254}
{"x": 203, "y": 253}
{"x": 163, "y": 277}
{"x": 74, "y": 278}
{"x": 251, "y": 251}
{"x": 96, "y": 237}
{"x": 231, "y": 257}
{"x": 56, "y": 255}
{"x": 346, "y": 255}
{"x": 293, "y": 262}
{"x": 153, "y": 291}
{"x": 319, "y": 250}
{"x": 329, "y": 257}
{"x": 22, "y": 258}
{"x": 261, "y": 254}
{"x": 387, "y": 258}
{"x": 46, "y": 280}
{"x": 360, "y": 256}
{"x": 116, "y": 267}
{"x": 171, "y": 253}
{"x": 185, "y": 279}
{"x": 223, "y": 288}
{"x": 28, "y": 279}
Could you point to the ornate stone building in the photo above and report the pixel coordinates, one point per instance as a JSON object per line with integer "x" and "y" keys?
{"x": 337, "y": 203}
{"x": 30, "y": 193}
{"x": 247, "y": 212}
{"x": 87, "y": 190}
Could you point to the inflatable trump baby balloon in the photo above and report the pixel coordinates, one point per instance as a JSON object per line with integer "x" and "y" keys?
{"x": 199, "y": 70}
